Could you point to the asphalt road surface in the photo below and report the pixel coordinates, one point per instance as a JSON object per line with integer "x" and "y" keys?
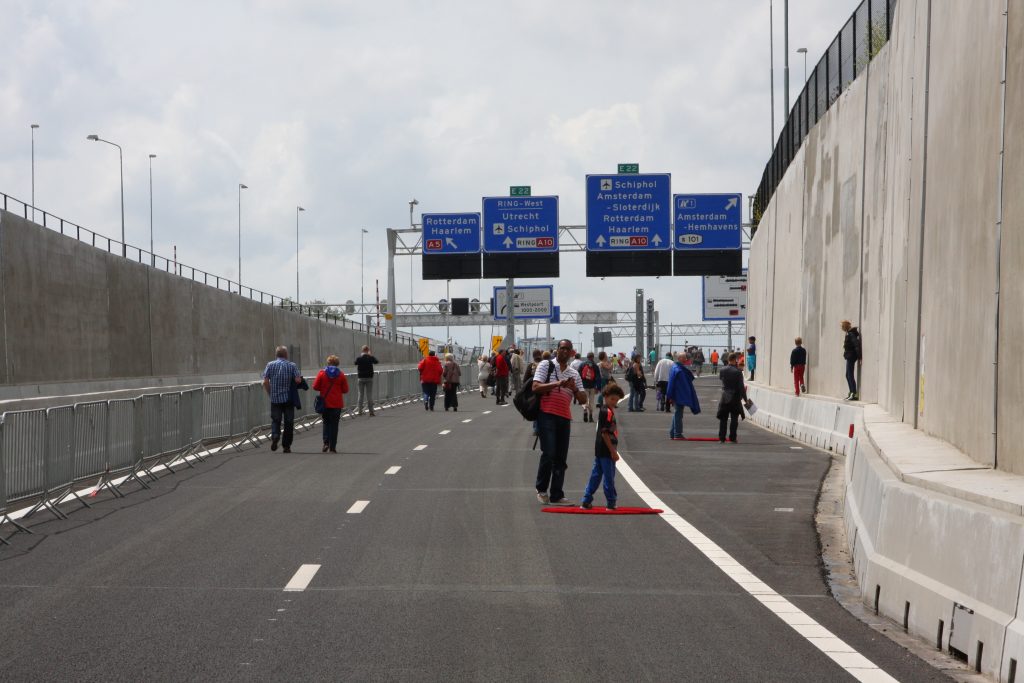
{"x": 444, "y": 569}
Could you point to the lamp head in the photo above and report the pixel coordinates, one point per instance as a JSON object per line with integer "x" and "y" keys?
{"x": 243, "y": 186}
{"x": 93, "y": 137}
{"x": 300, "y": 208}
{"x": 366, "y": 232}
{"x": 802, "y": 50}
{"x": 34, "y": 125}
{"x": 414, "y": 202}
{"x": 152, "y": 156}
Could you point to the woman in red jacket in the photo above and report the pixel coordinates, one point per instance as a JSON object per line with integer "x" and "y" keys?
{"x": 430, "y": 376}
{"x": 332, "y": 385}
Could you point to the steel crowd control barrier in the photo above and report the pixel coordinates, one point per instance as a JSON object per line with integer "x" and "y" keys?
{"x": 46, "y": 454}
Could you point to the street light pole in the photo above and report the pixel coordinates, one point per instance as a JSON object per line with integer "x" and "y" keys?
{"x": 297, "y": 210}
{"x": 771, "y": 64}
{"x": 33, "y": 129}
{"x": 152, "y": 256}
{"x": 803, "y": 51}
{"x": 785, "y": 47}
{"x": 362, "y": 276}
{"x": 241, "y": 187}
{"x": 120, "y": 157}
{"x": 412, "y": 224}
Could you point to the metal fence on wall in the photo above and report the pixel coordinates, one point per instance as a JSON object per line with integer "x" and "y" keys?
{"x": 860, "y": 39}
{"x": 46, "y": 454}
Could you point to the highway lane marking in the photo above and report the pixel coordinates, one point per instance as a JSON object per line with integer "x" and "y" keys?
{"x": 393, "y": 470}
{"x": 783, "y": 509}
{"x": 445, "y": 431}
{"x": 358, "y": 507}
{"x": 796, "y": 448}
{"x": 420, "y": 447}
{"x": 301, "y": 579}
{"x": 486, "y": 412}
{"x": 465, "y": 421}
{"x": 825, "y": 641}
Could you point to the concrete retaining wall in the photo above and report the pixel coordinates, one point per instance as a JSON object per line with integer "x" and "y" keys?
{"x": 79, "y": 318}
{"x": 914, "y": 545}
{"x": 889, "y": 216}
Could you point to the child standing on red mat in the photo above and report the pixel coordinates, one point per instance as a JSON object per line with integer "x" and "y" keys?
{"x": 606, "y": 450}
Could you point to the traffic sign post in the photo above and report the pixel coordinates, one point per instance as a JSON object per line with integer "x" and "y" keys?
{"x": 627, "y": 212}
{"x": 708, "y": 221}
{"x": 532, "y": 302}
{"x": 724, "y": 297}
{"x": 451, "y": 233}
{"x": 520, "y": 225}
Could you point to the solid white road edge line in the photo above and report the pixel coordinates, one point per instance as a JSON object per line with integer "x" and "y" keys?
{"x": 302, "y": 578}
{"x": 358, "y": 507}
{"x": 834, "y": 648}
{"x": 393, "y": 469}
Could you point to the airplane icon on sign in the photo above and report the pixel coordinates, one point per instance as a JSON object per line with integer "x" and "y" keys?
{"x": 606, "y": 184}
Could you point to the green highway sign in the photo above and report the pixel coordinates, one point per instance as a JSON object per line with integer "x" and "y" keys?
{"x": 519, "y": 191}
{"x": 629, "y": 168}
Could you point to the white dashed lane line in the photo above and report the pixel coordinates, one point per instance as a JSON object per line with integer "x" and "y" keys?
{"x": 465, "y": 421}
{"x": 358, "y": 507}
{"x": 445, "y": 431}
{"x": 421, "y": 447}
{"x": 393, "y": 470}
{"x": 302, "y": 577}
{"x": 486, "y": 412}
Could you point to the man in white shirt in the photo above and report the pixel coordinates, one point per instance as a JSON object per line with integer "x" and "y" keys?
{"x": 661, "y": 373}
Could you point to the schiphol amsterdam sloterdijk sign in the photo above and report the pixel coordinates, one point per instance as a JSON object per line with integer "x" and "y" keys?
{"x": 451, "y": 233}
{"x": 629, "y": 212}
{"x": 520, "y": 224}
{"x": 708, "y": 221}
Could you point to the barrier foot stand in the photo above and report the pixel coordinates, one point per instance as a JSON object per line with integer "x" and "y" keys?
{"x": 253, "y": 437}
{"x": 46, "y": 503}
{"x": 7, "y": 518}
{"x": 109, "y": 486}
{"x": 134, "y": 475}
{"x": 71, "y": 492}
{"x": 4, "y": 541}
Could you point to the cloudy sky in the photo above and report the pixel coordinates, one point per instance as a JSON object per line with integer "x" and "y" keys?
{"x": 352, "y": 109}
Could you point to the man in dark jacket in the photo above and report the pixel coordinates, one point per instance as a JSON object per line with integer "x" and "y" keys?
{"x": 734, "y": 395}
{"x": 852, "y": 352}
{"x": 679, "y": 389}
{"x": 364, "y": 372}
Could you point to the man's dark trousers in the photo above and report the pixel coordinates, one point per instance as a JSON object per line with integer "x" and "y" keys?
{"x": 733, "y": 421}
{"x": 554, "y": 447}
{"x": 287, "y": 411}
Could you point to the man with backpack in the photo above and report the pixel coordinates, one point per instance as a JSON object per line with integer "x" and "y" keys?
{"x": 589, "y": 373}
{"x": 556, "y": 384}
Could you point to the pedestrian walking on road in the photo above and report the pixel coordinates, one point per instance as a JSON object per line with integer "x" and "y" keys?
{"x": 332, "y": 385}
{"x": 682, "y": 394}
{"x": 451, "y": 377}
{"x": 661, "y": 373}
{"x": 483, "y": 374}
{"x": 714, "y": 361}
{"x": 430, "y": 376}
{"x": 364, "y": 379}
{"x": 557, "y": 384}
{"x": 605, "y": 366}
{"x": 515, "y": 366}
{"x": 590, "y": 374}
{"x": 752, "y": 356}
{"x": 279, "y": 378}
{"x": 734, "y": 396}
{"x": 501, "y": 372}
{"x": 606, "y": 450}
{"x": 637, "y": 383}
{"x": 797, "y": 365}
{"x": 698, "y": 362}
{"x": 853, "y": 354}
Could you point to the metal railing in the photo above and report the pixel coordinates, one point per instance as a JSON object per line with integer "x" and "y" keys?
{"x": 147, "y": 258}
{"x": 46, "y": 454}
{"x": 860, "y": 39}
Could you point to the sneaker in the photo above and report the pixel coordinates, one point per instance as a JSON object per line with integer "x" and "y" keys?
{"x": 543, "y": 498}
{"x": 563, "y": 501}
{"x": 287, "y": 450}
{"x": 373, "y": 414}
{"x": 803, "y": 388}
{"x": 586, "y": 506}
{"x": 854, "y": 397}
{"x": 273, "y": 444}
{"x": 324, "y": 450}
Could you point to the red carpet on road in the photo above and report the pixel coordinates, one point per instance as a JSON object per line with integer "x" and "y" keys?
{"x": 577, "y": 510}
{"x": 696, "y": 438}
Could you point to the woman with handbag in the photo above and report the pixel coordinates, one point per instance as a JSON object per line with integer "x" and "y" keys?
{"x": 332, "y": 385}
{"x": 451, "y": 377}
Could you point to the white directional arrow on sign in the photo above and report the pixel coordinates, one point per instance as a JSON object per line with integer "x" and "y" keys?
{"x": 451, "y": 243}
{"x": 656, "y": 240}
{"x": 731, "y": 203}
{"x": 600, "y": 240}
{"x": 507, "y": 242}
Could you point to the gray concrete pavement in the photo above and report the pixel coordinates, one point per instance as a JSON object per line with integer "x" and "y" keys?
{"x": 450, "y": 572}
